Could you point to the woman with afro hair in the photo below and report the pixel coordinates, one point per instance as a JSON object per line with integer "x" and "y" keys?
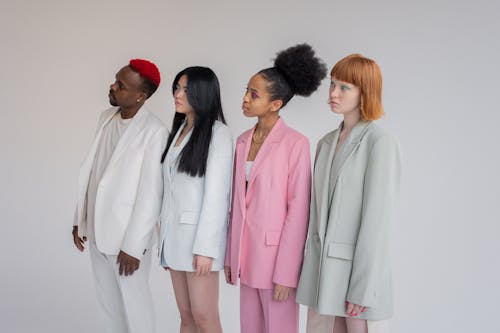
{"x": 346, "y": 276}
{"x": 271, "y": 192}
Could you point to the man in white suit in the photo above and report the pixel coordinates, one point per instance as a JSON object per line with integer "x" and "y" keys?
{"x": 119, "y": 200}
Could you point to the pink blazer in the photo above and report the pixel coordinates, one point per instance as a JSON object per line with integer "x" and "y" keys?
{"x": 269, "y": 219}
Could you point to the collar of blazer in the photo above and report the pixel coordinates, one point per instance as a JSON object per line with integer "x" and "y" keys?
{"x": 243, "y": 147}
{"x": 136, "y": 124}
{"x": 334, "y": 163}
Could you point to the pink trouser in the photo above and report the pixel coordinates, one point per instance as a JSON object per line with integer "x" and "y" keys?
{"x": 260, "y": 314}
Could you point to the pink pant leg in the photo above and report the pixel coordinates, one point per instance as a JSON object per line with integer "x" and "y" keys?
{"x": 279, "y": 316}
{"x": 251, "y": 315}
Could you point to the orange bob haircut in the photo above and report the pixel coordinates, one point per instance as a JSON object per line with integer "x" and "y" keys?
{"x": 365, "y": 74}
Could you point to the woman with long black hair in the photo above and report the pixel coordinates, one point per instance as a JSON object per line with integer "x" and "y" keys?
{"x": 197, "y": 164}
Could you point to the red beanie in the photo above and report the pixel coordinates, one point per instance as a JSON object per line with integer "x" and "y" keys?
{"x": 146, "y": 69}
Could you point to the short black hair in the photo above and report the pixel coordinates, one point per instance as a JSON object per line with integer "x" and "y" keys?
{"x": 148, "y": 86}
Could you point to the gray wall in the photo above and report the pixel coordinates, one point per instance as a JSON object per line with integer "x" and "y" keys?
{"x": 440, "y": 61}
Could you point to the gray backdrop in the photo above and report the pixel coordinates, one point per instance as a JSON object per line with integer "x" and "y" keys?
{"x": 440, "y": 61}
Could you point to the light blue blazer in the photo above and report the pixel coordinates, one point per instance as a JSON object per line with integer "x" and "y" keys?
{"x": 194, "y": 213}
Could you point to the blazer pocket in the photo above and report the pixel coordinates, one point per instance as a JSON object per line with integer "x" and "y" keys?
{"x": 341, "y": 251}
{"x": 189, "y": 218}
{"x": 273, "y": 237}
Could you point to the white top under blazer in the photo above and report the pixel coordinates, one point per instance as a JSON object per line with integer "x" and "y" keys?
{"x": 195, "y": 210}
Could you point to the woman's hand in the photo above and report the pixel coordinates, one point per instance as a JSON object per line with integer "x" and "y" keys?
{"x": 281, "y": 293}
{"x": 227, "y": 274}
{"x": 202, "y": 265}
{"x": 354, "y": 309}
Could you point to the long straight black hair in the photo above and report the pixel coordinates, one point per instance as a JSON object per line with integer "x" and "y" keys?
{"x": 203, "y": 94}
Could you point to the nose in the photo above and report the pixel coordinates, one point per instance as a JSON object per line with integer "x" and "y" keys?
{"x": 334, "y": 91}
{"x": 177, "y": 93}
{"x": 246, "y": 97}
{"x": 113, "y": 86}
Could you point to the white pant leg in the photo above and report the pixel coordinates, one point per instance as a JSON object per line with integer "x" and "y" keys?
{"x": 126, "y": 301}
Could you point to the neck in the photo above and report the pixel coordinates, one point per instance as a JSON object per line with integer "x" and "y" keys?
{"x": 129, "y": 112}
{"x": 266, "y": 123}
{"x": 189, "y": 121}
{"x": 350, "y": 120}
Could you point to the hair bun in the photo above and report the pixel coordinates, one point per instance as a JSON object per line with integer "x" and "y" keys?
{"x": 301, "y": 68}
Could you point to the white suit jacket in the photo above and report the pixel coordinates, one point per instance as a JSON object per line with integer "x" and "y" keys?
{"x": 128, "y": 198}
{"x": 195, "y": 210}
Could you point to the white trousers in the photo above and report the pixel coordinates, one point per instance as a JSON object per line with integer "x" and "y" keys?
{"x": 126, "y": 301}
{"x": 317, "y": 323}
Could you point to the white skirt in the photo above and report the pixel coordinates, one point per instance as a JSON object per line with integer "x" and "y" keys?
{"x": 317, "y": 323}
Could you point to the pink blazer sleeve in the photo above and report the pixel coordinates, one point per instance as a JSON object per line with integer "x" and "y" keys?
{"x": 291, "y": 248}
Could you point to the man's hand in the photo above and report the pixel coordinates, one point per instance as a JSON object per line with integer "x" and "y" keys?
{"x": 128, "y": 264}
{"x": 281, "y": 293}
{"x": 77, "y": 240}
{"x": 202, "y": 265}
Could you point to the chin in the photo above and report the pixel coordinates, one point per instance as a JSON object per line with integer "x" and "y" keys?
{"x": 113, "y": 103}
{"x": 335, "y": 111}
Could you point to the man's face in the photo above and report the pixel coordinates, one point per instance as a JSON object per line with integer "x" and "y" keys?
{"x": 126, "y": 90}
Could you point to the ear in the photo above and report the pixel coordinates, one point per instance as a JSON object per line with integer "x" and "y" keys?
{"x": 142, "y": 97}
{"x": 276, "y": 105}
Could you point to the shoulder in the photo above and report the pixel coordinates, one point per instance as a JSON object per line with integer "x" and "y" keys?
{"x": 154, "y": 123}
{"x": 107, "y": 113}
{"x": 377, "y": 135}
{"x": 327, "y": 138}
{"x": 222, "y": 139}
{"x": 378, "y": 139}
{"x": 221, "y": 131}
{"x": 294, "y": 137}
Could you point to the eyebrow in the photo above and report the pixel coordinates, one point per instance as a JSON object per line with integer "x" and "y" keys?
{"x": 340, "y": 82}
{"x": 119, "y": 81}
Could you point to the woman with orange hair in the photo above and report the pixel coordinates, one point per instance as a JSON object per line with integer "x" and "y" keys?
{"x": 346, "y": 278}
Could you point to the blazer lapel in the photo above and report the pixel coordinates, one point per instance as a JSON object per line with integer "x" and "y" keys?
{"x": 130, "y": 134}
{"x": 273, "y": 137}
{"x": 345, "y": 152}
{"x": 322, "y": 173}
{"x": 86, "y": 167}
{"x": 242, "y": 149}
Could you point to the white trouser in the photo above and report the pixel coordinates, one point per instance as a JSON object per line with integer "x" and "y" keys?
{"x": 126, "y": 301}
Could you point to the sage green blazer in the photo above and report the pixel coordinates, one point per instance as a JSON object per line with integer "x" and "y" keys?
{"x": 352, "y": 204}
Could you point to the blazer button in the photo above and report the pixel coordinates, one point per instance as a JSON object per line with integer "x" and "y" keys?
{"x": 316, "y": 237}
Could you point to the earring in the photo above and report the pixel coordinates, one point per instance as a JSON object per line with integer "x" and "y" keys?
{"x": 138, "y": 100}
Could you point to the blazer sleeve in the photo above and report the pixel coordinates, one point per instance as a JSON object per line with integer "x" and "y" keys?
{"x": 148, "y": 199}
{"x": 293, "y": 235}
{"x": 212, "y": 223}
{"x": 227, "y": 260}
{"x": 371, "y": 254}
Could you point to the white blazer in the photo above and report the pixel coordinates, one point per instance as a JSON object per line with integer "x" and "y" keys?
{"x": 128, "y": 198}
{"x": 194, "y": 213}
